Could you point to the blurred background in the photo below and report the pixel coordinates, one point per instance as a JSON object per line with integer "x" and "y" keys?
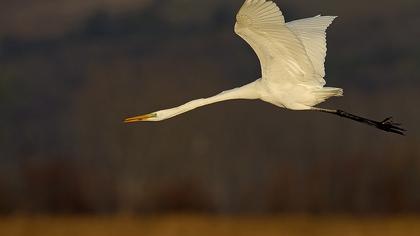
{"x": 72, "y": 70}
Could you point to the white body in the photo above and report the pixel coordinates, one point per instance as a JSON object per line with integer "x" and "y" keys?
{"x": 292, "y": 57}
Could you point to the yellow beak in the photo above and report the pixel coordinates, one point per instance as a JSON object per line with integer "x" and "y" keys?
{"x": 140, "y": 118}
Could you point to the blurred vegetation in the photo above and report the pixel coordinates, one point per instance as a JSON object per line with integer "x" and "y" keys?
{"x": 186, "y": 225}
{"x": 64, "y": 93}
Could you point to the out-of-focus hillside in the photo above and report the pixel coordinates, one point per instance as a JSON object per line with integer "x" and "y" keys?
{"x": 46, "y": 18}
{"x": 65, "y": 89}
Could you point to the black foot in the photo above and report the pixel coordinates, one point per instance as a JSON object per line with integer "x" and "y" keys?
{"x": 390, "y": 126}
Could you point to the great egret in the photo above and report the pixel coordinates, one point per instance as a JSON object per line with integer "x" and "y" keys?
{"x": 292, "y": 57}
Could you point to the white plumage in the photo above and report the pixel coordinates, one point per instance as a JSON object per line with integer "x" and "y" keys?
{"x": 311, "y": 32}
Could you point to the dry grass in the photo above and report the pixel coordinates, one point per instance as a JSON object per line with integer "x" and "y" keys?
{"x": 186, "y": 225}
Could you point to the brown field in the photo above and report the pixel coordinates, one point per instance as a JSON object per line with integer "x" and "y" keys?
{"x": 185, "y": 225}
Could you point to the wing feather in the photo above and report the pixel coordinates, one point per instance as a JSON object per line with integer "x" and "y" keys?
{"x": 282, "y": 55}
{"x": 311, "y": 32}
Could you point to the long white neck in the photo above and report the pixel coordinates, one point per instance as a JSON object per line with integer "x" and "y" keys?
{"x": 249, "y": 91}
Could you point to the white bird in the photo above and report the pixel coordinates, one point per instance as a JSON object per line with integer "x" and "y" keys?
{"x": 292, "y": 57}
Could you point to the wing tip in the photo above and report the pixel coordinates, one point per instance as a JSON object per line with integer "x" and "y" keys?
{"x": 330, "y": 18}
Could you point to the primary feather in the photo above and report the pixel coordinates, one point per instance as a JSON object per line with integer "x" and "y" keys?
{"x": 311, "y": 32}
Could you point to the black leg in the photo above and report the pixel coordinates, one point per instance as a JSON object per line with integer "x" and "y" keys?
{"x": 386, "y": 125}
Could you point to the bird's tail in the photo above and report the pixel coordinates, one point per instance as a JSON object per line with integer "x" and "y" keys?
{"x": 327, "y": 92}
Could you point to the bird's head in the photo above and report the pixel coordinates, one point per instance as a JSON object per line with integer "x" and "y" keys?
{"x": 148, "y": 117}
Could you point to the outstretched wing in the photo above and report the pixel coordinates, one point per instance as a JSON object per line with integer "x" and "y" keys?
{"x": 282, "y": 55}
{"x": 311, "y": 32}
